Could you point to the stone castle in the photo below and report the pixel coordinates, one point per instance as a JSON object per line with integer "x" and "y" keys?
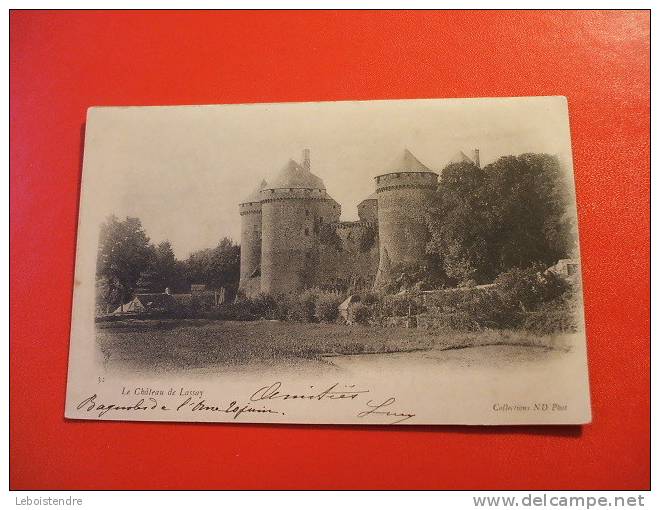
{"x": 292, "y": 237}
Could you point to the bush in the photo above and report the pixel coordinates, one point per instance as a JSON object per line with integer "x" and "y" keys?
{"x": 526, "y": 289}
{"x": 327, "y": 307}
{"x": 313, "y": 305}
{"x": 399, "y": 305}
{"x": 303, "y": 308}
{"x": 370, "y": 298}
{"x": 520, "y": 298}
{"x": 236, "y": 311}
{"x": 489, "y": 311}
{"x": 425, "y": 275}
{"x": 361, "y": 313}
{"x": 556, "y": 316}
{"x": 282, "y": 305}
{"x": 262, "y": 306}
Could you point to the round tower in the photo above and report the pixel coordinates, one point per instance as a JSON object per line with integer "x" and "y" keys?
{"x": 404, "y": 193}
{"x": 294, "y": 209}
{"x": 250, "y": 211}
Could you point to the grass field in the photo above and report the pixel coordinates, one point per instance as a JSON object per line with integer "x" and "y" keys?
{"x": 189, "y": 344}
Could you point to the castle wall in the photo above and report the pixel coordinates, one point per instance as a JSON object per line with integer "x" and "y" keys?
{"x": 403, "y": 199}
{"x": 327, "y": 211}
{"x": 250, "y": 247}
{"x": 354, "y": 262}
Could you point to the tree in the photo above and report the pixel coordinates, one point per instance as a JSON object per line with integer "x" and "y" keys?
{"x": 456, "y": 222}
{"x": 162, "y": 271}
{"x": 123, "y": 254}
{"x": 424, "y": 275}
{"x": 528, "y": 216}
{"x": 513, "y": 213}
{"x": 216, "y": 267}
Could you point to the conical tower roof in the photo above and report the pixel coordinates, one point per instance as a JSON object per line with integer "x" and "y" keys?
{"x": 255, "y": 196}
{"x": 460, "y": 157}
{"x": 406, "y": 162}
{"x": 294, "y": 175}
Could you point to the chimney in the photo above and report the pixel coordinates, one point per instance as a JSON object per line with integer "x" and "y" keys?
{"x": 306, "y": 164}
{"x": 476, "y": 158}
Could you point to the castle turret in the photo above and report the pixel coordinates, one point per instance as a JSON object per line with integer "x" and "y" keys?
{"x": 306, "y": 160}
{"x": 295, "y": 207}
{"x": 404, "y": 193}
{"x": 368, "y": 208}
{"x": 250, "y": 211}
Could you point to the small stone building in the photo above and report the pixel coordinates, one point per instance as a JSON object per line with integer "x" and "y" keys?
{"x": 347, "y": 307}
{"x": 568, "y": 269}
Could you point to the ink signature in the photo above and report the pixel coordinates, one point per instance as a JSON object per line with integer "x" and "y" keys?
{"x": 90, "y": 404}
{"x": 332, "y": 393}
{"x": 375, "y": 408}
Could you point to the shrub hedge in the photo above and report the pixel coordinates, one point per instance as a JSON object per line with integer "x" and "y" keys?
{"x": 536, "y": 301}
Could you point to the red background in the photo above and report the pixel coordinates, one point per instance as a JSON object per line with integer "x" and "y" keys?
{"x": 63, "y": 62}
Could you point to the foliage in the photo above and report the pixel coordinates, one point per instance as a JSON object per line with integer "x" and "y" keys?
{"x": 264, "y": 305}
{"x": 457, "y": 223}
{"x": 236, "y": 311}
{"x": 529, "y": 215}
{"x": 512, "y": 213}
{"x": 362, "y": 313}
{"x": 123, "y": 253}
{"x": 128, "y": 263}
{"x": 520, "y": 298}
{"x": 370, "y": 298}
{"x": 162, "y": 270}
{"x": 106, "y": 297}
{"x": 424, "y": 275}
{"x": 261, "y": 306}
{"x": 327, "y": 306}
{"x": 400, "y": 305}
{"x": 303, "y": 308}
{"x": 558, "y": 315}
{"x": 313, "y": 305}
{"x": 525, "y": 289}
{"x": 215, "y": 267}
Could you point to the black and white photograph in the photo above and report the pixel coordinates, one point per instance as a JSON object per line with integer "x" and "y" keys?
{"x": 361, "y": 262}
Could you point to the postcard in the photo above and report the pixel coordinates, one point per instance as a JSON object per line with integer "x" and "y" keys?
{"x": 399, "y": 262}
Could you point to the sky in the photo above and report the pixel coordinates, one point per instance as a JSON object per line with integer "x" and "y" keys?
{"x": 184, "y": 169}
